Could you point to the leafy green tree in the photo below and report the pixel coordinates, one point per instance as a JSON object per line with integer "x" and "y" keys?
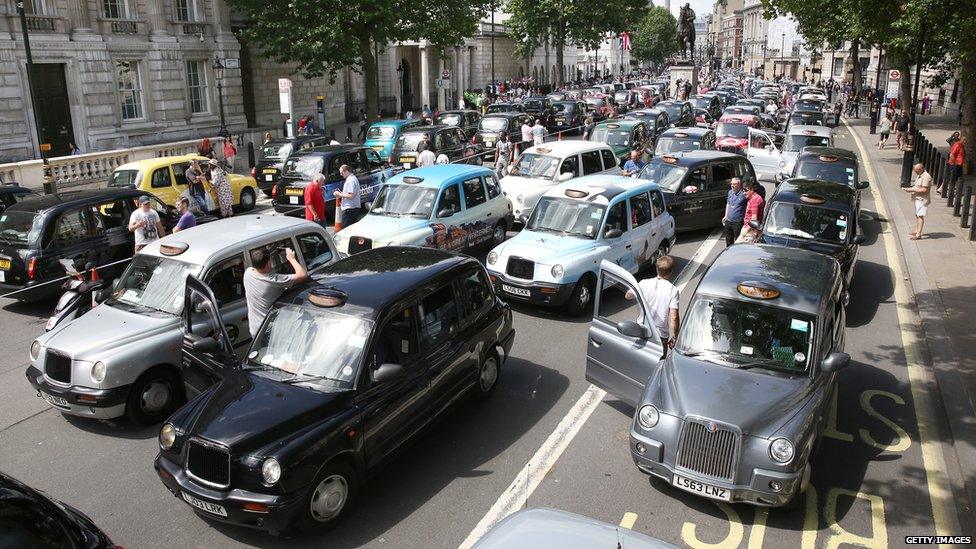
{"x": 325, "y": 36}
{"x": 653, "y": 39}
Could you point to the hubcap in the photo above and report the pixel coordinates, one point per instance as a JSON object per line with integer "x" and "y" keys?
{"x": 499, "y": 234}
{"x": 489, "y": 374}
{"x": 584, "y": 296}
{"x": 329, "y": 498}
{"x": 155, "y": 397}
{"x": 247, "y": 199}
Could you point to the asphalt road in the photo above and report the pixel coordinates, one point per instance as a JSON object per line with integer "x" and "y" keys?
{"x": 873, "y": 489}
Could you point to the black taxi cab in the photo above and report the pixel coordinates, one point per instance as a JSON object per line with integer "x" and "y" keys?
{"x": 814, "y": 215}
{"x": 450, "y": 141}
{"x": 675, "y": 140}
{"x": 838, "y": 166}
{"x": 696, "y": 184}
{"x": 345, "y": 369}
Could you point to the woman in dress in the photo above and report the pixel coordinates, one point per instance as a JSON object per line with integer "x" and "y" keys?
{"x": 218, "y": 180}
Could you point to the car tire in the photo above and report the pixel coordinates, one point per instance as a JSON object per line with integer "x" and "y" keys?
{"x": 329, "y": 497}
{"x": 248, "y": 199}
{"x": 498, "y": 234}
{"x": 489, "y": 371}
{"x": 581, "y": 300}
{"x": 154, "y": 396}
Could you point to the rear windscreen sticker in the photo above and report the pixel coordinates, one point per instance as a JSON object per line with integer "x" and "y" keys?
{"x": 799, "y": 325}
{"x": 746, "y": 350}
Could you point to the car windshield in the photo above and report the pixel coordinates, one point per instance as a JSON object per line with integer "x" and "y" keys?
{"x": 621, "y": 96}
{"x": 533, "y": 105}
{"x": 276, "y": 151}
{"x": 560, "y": 107}
{"x": 566, "y": 217}
{"x": 452, "y": 119}
{"x": 311, "y": 344}
{"x": 536, "y": 165}
{"x": 383, "y": 133}
{"x": 807, "y": 118}
{"x": 676, "y": 144}
{"x": 672, "y": 110}
{"x": 612, "y": 137}
{"x": 667, "y": 176}
{"x": 494, "y": 124}
{"x": 404, "y": 200}
{"x": 807, "y": 222}
{"x": 305, "y": 166}
{"x": 747, "y": 333}
{"x": 725, "y": 129}
{"x": 701, "y": 102}
{"x": 155, "y": 283}
{"x": 20, "y": 227}
{"x": 500, "y": 107}
{"x": 826, "y": 171}
{"x": 796, "y": 142}
{"x": 124, "y": 178}
{"x": 410, "y": 141}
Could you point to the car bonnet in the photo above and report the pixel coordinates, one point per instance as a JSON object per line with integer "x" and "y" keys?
{"x": 116, "y": 327}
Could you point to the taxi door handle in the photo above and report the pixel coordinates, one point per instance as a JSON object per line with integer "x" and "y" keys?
{"x": 596, "y": 342}
{"x": 488, "y": 214}
{"x": 628, "y": 246}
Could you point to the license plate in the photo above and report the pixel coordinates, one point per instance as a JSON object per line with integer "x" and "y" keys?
{"x": 294, "y": 192}
{"x": 4, "y": 264}
{"x": 406, "y": 165}
{"x": 406, "y": 160}
{"x": 212, "y": 508}
{"x": 271, "y": 171}
{"x": 701, "y": 488}
{"x": 293, "y": 200}
{"x": 55, "y": 400}
{"x": 516, "y": 291}
{"x": 269, "y": 177}
{"x": 3, "y": 276}
{"x": 489, "y": 142}
{"x": 560, "y": 121}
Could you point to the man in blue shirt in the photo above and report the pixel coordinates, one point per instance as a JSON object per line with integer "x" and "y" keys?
{"x": 735, "y": 209}
{"x": 633, "y": 166}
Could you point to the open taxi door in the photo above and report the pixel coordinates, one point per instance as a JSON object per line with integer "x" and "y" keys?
{"x": 207, "y": 349}
{"x": 623, "y": 348}
{"x": 763, "y": 154}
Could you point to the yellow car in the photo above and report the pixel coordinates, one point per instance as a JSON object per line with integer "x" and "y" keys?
{"x": 165, "y": 177}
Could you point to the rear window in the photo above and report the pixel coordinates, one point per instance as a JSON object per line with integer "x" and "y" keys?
{"x": 306, "y": 166}
{"x": 124, "y": 178}
{"x": 20, "y": 228}
{"x": 380, "y": 132}
{"x": 409, "y": 141}
{"x": 452, "y": 119}
{"x": 494, "y": 124}
{"x": 276, "y": 151}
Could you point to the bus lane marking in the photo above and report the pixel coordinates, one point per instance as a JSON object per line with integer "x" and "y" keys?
{"x": 628, "y": 521}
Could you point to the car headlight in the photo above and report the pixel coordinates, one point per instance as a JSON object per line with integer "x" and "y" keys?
{"x": 167, "y": 436}
{"x": 648, "y": 416}
{"x": 35, "y": 350}
{"x": 781, "y": 450}
{"x": 98, "y": 372}
{"x": 271, "y": 471}
{"x": 337, "y": 239}
{"x": 782, "y": 163}
{"x": 557, "y": 271}
{"x": 492, "y": 258}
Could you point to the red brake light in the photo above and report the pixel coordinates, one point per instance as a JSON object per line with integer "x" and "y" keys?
{"x": 31, "y": 267}
{"x": 254, "y": 171}
{"x": 274, "y": 191}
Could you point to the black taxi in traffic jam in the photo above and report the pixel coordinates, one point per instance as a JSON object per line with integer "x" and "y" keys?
{"x": 345, "y": 369}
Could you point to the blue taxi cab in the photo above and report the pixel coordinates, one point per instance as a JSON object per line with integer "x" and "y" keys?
{"x": 448, "y": 206}
{"x": 577, "y": 224}
{"x": 381, "y": 136}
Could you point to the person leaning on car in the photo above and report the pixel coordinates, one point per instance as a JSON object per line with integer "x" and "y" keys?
{"x": 262, "y": 287}
{"x": 735, "y": 209}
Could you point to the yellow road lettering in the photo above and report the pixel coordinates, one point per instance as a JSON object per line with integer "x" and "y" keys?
{"x": 838, "y": 536}
{"x": 811, "y": 520}
{"x": 831, "y": 429}
{"x": 628, "y": 520}
{"x": 758, "y": 531}
{"x": 902, "y": 442}
{"x": 732, "y": 539}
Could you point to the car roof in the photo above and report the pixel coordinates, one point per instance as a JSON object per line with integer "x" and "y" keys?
{"x": 671, "y": 102}
{"x": 374, "y": 279}
{"x": 626, "y": 123}
{"x": 458, "y": 111}
{"x": 299, "y": 139}
{"x": 695, "y": 158}
{"x": 205, "y": 241}
{"x": 692, "y": 132}
{"x": 651, "y": 111}
{"x": 835, "y": 197}
{"x": 422, "y": 128}
{"x": 567, "y": 147}
{"x": 804, "y": 278}
{"x": 507, "y": 114}
{"x": 66, "y": 199}
{"x": 328, "y": 149}
{"x": 153, "y": 163}
{"x": 396, "y": 123}
{"x": 811, "y": 153}
{"x": 438, "y": 175}
{"x": 601, "y": 189}
{"x": 797, "y": 129}
{"x": 7, "y": 188}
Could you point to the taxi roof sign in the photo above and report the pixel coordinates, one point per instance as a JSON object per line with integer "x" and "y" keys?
{"x": 613, "y": 126}
{"x": 827, "y": 158}
{"x": 411, "y": 179}
{"x": 669, "y": 159}
{"x": 327, "y": 297}
{"x": 575, "y": 193}
{"x": 811, "y": 199}
{"x": 543, "y": 150}
{"x": 809, "y": 132}
{"x": 173, "y": 248}
{"x": 681, "y": 134}
{"x": 757, "y": 290}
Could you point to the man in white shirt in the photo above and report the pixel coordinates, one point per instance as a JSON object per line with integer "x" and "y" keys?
{"x": 538, "y": 133}
{"x": 526, "y": 135}
{"x": 661, "y": 298}
{"x": 771, "y": 108}
{"x": 426, "y": 158}
{"x": 145, "y": 224}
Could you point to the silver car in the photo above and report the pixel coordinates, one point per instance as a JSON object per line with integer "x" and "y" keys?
{"x": 736, "y": 410}
{"x": 123, "y": 357}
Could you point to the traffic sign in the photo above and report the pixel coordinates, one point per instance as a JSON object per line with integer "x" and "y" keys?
{"x": 446, "y": 74}
{"x": 894, "y": 74}
{"x": 284, "y": 85}
{"x": 232, "y": 63}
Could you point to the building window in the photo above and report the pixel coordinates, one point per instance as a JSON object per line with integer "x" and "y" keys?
{"x": 115, "y": 9}
{"x": 36, "y": 7}
{"x": 130, "y": 89}
{"x": 186, "y": 10}
{"x": 196, "y": 82}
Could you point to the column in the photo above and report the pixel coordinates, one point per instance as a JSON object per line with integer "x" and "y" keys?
{"x": 158, "y": 26}
{"x": 462, "y": 53}
{"x": 440, "y": 75}
{"x": 396, "y": 88}
{"x": 424, "y": 76}
{"x": 79, "y": 19}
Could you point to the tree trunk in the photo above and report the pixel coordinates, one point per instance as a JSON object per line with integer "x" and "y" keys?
{"x": 856, "y": 67}
{"x": 369, "y": 75}
{"x": 560, "y": 42}
{"x": 968, "y": 105}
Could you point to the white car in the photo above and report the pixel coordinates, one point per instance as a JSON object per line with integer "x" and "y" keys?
{"x": 541, "y": 167}
{"x": 797, "y": 137}
{"x": 453, "y": 207}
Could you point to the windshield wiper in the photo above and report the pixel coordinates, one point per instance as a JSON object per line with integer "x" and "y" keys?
{"x": 301, "y": 377}
{"x": 796, "y": 233}
{"x": 766, "y": 362}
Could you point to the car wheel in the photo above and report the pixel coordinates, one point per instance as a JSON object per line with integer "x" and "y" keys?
{"x": 499, "y": 234}
{"x": 329, "y": 497}
{"x": 248, "y": 200}
{"x": 582, "y": 299}
{"x": 153, "y": 397}
{"x": 488, "y": 373}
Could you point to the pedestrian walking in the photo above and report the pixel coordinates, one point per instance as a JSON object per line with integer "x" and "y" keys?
{"x": 503, "y": 154}
{"x": 145, "y": 224}
{"x": 426, "y": 114}
{"x": 349, "y": 195}
{"x": 205, "y": 148}
{"x": 884, "y": 131}
{"x": 426, "y": 156}
{"x": 902, "y": 121}
{"x": 957, "y": 158}
{"x": 219, "y": 183}
{"x": 587, "y": 127}
{"x": 361, "y": 136}
{"x": 230, "y": 152}
{"x": 262, "y": 287}
{"x": 754, "y": 212}
{"x": 661, "y": 298}
{"x": 538, "y": 133}
{"x": 73, "y": 149}
{"x": 735, "y": 209}
{"x": 187, "y": 219}
{"x": 926, "y": 104}
{"x": 837, "y": 110}
{"x": 314, "y": 200}
{"x": 920, "y": 192}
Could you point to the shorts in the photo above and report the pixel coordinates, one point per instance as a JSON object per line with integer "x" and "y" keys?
{"x": 748, "y": 234}
{"x": 921, "y": 208}
{"x": 885, "y": 135}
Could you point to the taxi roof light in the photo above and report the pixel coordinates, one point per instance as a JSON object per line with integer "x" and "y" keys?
{"x": 757, "y": 290}
{"x": 412, "y": 179}
{"x": 575, "y": 193}
{"x": 173, "y": 248}
{"x": 327, "y": 297}
{"x": 827, "y": 158}
{"x": 811, "y": 199}
{"x": 669, "y": 159}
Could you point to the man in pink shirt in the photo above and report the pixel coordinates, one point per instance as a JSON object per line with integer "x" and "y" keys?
{"x": 754, "y": 211}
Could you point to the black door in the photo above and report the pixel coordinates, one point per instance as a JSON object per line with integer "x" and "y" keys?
{"x": 207, "y": 349}
{"x": 52, "y": 110}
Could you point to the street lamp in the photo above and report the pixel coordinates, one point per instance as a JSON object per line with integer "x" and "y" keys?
{"x": 399, "y": 71}
{"x": 218, "y": 69}
{"x": 782, "y": 51}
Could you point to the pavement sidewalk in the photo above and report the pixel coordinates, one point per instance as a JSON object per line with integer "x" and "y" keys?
{"x": 941, "y": 268}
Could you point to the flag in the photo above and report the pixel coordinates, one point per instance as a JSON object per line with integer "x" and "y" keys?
{"x": 625, "y": 41}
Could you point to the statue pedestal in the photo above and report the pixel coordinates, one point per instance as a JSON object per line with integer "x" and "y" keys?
{"x": 686, "y": 73}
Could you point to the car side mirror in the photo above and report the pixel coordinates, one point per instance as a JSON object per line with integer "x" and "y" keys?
{"x": 859, "y": 239}
{"x": 755, "y": 224}
{"x": 566, "y": 176}
{"x": 863, "y": 185}
{"x": 387, "y": 372}
{"x": 445, "y": 213}
{"x": 630, "y": 328}
{"x": 613, "y": 233}
{"x": 834, "y": 362}
{"x": 202, "y": 344}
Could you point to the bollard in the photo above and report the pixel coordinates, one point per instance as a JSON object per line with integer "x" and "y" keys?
{"x": 348, "y": 135}
{"x": 250, "y": 154}
{"x": 957, "y": 198}
{"x": 338, "y": 216}
{"x": 967, "y": 202}
{"x": 972, "y": 231}
{"x": 950, "y": 192}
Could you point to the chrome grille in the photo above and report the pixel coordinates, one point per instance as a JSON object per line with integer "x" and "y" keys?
{"x": 209, "y": 463}
{"x": 710, "y": 452}
{"x": 57, "y": 367}
{"x": 359, "y": 243}
{"x": 520, "y": 268}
